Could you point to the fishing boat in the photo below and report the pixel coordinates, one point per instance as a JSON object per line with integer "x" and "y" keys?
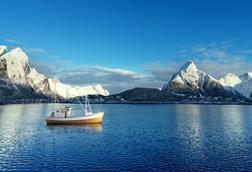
{"x": 62, "y": 116}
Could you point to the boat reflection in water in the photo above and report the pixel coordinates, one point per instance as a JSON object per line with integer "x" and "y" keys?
{"x": 78, "y": 128}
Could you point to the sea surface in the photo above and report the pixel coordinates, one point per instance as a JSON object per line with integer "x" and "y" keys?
{"x": 131, "y": 138}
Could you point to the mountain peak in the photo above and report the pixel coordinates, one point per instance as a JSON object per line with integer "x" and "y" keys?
{"x": 189, "y": 66}
{"x": 17, "y": 65}
{"x": 17, "y": 54}
{"x": 190, "y": 80}
{"x": 229, "y": 80}
{"x": 246, "y": 76}
{"x": 20, "y": 51}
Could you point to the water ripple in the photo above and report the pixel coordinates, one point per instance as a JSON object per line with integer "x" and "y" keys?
{"x": 132, "y": 138}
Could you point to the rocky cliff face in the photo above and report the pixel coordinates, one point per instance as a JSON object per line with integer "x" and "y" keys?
{"x": 18, "y": 78}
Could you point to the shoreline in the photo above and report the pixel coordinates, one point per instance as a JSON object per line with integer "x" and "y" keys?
{"x": 134, "y": 103}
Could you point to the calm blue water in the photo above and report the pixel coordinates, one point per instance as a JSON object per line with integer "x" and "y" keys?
{"x": 132, "y": 138}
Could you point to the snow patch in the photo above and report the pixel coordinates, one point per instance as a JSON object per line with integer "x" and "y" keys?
{"x": 246, "y": 76}
{"x": 3, "y": 49}
{"x": 229, "y": 80}
{"x": 17, "y": 65}
{"x": 245, "y": 88}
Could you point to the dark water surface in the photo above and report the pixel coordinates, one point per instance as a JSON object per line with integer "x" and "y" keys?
{"x": 132, "y": 138}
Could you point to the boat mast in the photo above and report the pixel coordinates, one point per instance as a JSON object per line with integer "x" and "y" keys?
{"x": 83, "y": 108}
{"x": 54, "y": 93}
{"x": 86, "y": 108}
{"x": 87, "y": 105}
{"x": 67, "y": 92}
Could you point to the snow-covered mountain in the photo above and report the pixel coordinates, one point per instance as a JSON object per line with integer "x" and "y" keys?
{"x": 245, "y": 88}
{"x": 241, "y": 84}
{"x": 190, "y": 80}
{"x": 16, "y": 73}
{"x": 17, "y": 66}
{"x": 49, "y": 86}
{"x": 246, "y": 76}
{"x": 229, "y": 80}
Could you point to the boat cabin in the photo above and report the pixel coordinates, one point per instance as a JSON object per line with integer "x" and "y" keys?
{"x": 62, "y": 113}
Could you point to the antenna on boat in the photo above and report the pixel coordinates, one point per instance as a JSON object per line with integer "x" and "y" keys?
{"x": 67, "y": 92}
{"x": 83, "y": 108}
{"x": 54, "y": 101}
{"x": 87, "y": 106}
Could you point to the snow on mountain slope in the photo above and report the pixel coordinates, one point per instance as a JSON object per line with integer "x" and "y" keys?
{"x": 241, "y": 84}
{"x": 185, "y": 80}
{"x": 38, "y": 81}
{"x": 70, "y": 91}
{"x": 15, "y": 68}
{"x": 190, "y": 80}
{"x": 3, "y": 49}
{"x": 229, "y": 80}
{"x": 53, "y": 87}
{"x": 245, "y": 88}
{"x": 91, "y": 89}
{"x": 17, "y": 65}
{"x": 246, "y": 76}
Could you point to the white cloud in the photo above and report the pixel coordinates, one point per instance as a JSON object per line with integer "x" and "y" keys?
{"x": 213, "y": 51}
{"x": 116, "y": 80}
{"x": 162, "y": 72}
{"x": 13, "y": 41}
{"x": 216, "y": 59}
{"x": 37, "y": 51}
{"x": 122, "y": 72}
{"x": 218, "y": 69}
{"x": 199, "y": 49}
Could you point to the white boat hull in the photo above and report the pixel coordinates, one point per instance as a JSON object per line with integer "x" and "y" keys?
{"x": 95, "y": 118}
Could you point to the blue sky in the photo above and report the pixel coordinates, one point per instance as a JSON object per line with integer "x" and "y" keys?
{"x": 129, "y": 43}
